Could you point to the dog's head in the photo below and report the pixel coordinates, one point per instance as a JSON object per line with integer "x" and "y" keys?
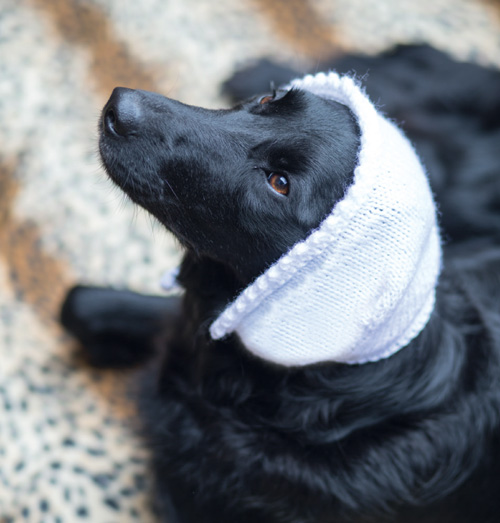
{"x": 245, "y": 186}
{"x": 240, "y": 186}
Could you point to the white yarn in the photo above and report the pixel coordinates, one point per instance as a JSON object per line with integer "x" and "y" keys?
{"x": 362, "y": 285}
{"x": 169, "y": 281}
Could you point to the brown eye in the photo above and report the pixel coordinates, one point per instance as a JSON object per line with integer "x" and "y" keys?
{"x": 279, "y": 183}
{"x": 266, "y": 99}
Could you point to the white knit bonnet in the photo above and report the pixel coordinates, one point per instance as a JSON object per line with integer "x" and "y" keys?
{"x": 362, "y": 285}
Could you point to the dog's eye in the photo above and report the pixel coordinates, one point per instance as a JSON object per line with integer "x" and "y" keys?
{"x": 266, "y": 99}
{"x": 279, "y": 183}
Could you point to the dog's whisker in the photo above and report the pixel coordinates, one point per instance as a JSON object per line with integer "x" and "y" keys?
{"x": 172, "y": 190}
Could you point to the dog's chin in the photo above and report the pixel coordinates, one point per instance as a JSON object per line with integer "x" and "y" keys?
{"x": 107, "y": 157}
{"x": 139, "y": 189}
{"x": 140, "y": 192}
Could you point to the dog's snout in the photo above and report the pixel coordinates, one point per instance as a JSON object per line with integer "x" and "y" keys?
{"x": 122, "y": 113}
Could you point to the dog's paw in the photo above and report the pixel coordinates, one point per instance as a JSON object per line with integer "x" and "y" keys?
{"x": 115, "y": 328}
{"x": 115, "y": 352}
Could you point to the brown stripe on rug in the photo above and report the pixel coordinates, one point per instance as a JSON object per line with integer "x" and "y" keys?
{"x": 300, "y": 26}
{"x": 37, "y": 278}
{"x": 112, "y": 64}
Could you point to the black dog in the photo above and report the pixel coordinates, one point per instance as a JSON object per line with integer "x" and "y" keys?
{"x": 412, "y": 438}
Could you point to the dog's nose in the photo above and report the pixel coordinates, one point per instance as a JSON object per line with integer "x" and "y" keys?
{"x": 122, "y": 113}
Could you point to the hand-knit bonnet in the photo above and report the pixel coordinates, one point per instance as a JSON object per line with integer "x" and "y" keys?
{"x": 362, "y": 285}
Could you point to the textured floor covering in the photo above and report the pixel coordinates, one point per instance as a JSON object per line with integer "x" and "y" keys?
{"x": 67, "y": 446}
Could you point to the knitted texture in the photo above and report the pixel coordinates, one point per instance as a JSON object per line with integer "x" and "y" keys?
{"x": 362, "y": 285}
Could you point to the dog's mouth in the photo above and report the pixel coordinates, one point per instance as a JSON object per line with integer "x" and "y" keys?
{"x": 135, "y": 151}
{"x": 124, "y": 151}
{"x": 117, "y": 124}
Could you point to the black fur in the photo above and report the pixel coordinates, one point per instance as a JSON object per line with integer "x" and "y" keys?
{"x": 414, "y": 438}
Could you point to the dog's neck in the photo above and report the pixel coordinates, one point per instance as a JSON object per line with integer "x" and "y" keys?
{"x": 428, "y": 368}
{"x": 212, "y": 282}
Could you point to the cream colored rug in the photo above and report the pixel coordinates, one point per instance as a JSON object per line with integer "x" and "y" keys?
{"x": 67, "y": 446}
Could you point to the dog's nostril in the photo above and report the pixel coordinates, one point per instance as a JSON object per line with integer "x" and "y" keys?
{"x": 117, "y": 121}
{"x": 109, "y": 121}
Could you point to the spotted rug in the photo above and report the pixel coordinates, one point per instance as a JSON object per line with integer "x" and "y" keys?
{"x": 68, "y": 445}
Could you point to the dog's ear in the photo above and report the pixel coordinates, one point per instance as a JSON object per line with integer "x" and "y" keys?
{"x": 255, "y": 79}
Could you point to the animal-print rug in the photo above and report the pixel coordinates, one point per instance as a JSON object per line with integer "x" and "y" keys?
{"x": 68, "y": 445}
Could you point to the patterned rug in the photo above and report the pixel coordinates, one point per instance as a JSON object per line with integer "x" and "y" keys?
{"x": 68, "y": 449}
